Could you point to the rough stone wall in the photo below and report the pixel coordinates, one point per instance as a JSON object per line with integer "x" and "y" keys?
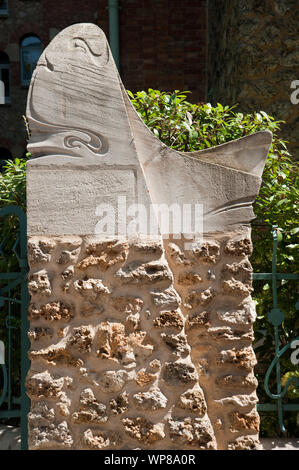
{"x": 215, "y": 285}
{"x": 254, "y": 57}
{"x": 140, "y": 345}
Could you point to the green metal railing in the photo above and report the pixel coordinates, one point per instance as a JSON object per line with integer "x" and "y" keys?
{"x": 276, "y": 318}
{"x": 13, "y": 332}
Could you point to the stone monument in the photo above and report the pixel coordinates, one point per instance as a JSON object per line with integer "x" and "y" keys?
{"x": 141, "y": 334}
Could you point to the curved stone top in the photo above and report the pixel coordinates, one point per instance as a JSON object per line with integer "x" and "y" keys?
{"x": 75, "y": 106}
{"x": 90, "y": 146}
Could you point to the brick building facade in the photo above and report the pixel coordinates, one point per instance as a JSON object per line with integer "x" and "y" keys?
{"x": 164, "y": 44}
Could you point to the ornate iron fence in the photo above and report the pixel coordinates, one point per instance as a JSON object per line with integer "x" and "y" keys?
{"x": 14, "y": 343}
{"x": 276, "y": 318}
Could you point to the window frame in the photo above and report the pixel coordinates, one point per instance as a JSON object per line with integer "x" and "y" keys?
{"x": 25, "y": 82}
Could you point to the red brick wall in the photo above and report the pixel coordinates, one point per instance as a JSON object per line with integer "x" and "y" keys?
{"x": 163, "y": 44}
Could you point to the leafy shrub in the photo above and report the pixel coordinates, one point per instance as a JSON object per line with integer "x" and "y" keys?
{"x": 184, "y": 126}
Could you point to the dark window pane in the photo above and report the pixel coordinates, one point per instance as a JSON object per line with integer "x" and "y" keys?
{"x": 4, "y": 58}
{"x": 3, "y": 6}
{"x": 31, "y": 49}
{"x": 4, "y": 156}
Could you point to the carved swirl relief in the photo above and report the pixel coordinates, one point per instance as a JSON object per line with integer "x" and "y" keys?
{"x": 68, "y": 141}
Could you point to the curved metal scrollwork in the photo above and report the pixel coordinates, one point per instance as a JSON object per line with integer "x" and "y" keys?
{"x": 290, "y": 381}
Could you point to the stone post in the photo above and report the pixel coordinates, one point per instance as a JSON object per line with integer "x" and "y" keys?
{"x": 141, "y": 335}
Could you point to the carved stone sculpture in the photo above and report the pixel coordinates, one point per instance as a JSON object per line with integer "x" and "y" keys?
{"x": 139, "y": 338}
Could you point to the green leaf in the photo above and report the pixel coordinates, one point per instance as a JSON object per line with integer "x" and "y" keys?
{"x": 130, "y": 94}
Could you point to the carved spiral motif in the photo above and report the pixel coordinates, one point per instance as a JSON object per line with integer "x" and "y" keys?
{"x": 96, "y": 144}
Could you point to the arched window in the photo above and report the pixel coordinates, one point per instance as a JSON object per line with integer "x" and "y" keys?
{"x": 31, "y": 49}
{"x": 4, "y": 156}
{"x": 4, "y": 78}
